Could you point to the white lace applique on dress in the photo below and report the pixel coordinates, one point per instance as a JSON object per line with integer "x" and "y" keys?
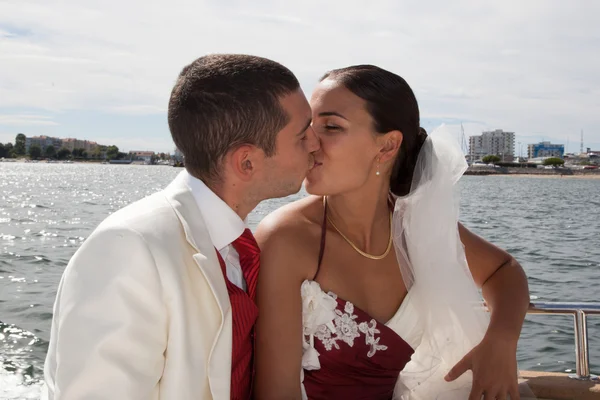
{"x": 323, "y": 320}
{"x": 318, "y": 313}
{"x": 347, "y": 329}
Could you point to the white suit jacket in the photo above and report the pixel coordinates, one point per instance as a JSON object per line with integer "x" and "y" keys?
{"x": 142, "y": 310}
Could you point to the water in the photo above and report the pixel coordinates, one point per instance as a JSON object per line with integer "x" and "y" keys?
{"x": 47, "y": 211}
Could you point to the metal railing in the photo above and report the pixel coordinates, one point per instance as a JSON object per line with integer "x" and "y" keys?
{"x": 579, "y": 311}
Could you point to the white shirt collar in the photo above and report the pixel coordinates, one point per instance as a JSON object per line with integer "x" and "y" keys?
{"x": 223, "y": 224}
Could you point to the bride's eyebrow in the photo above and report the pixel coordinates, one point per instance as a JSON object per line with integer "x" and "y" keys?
{"x": 330, "y": 113}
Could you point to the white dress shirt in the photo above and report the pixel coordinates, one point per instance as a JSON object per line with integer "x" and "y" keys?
{"x": 224, "y": 226}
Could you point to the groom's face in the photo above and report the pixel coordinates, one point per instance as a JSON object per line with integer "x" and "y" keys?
{"x": 295, "y": 145}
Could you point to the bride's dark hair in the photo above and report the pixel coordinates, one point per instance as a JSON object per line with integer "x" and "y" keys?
{"x": 393, "y": 106}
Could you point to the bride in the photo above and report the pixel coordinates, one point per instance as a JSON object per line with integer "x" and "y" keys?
{"x": 369, "y": 288}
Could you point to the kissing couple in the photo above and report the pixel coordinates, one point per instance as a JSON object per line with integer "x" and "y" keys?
{"x": 368, "y": 288}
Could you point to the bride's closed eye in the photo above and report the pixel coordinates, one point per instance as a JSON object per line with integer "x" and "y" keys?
{"x": 332, "y": 128}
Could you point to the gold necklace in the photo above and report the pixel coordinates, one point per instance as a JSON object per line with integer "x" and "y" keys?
{"x": 359, "y": 251}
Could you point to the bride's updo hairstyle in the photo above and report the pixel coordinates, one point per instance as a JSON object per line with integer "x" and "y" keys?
{"x": 393, "y": 106}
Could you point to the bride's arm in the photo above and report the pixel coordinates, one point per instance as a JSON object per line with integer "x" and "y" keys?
{"x": 278, "y": 351}
{"x": 505, "y": 289}
{"x": 503, "y": 283}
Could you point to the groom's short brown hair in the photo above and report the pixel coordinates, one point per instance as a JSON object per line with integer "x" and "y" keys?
{"x": 222, "y": 101}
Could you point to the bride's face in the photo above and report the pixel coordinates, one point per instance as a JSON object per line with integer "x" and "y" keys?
{"x": 347, "y": 159}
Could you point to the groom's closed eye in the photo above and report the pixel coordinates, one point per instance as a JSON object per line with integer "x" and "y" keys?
{"x": 302, "y": 133}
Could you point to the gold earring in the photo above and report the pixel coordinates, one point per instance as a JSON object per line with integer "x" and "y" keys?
{"x": 377, "y": 173}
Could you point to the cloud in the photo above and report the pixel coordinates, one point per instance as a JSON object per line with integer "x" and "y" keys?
{"x": 521, "y": 66}
{"x": 26, "y": 120}
{"x": 138, "y": 109}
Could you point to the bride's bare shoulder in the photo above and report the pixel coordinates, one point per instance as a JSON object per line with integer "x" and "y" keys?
{"x": 300, "y": 219}
{"x": 292, "y": 232}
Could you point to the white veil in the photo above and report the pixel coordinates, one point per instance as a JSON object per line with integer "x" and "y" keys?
{"x": 434, "y": 268}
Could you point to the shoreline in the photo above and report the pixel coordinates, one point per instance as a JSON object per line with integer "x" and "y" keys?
{"x": 543, "y": 174}
{"x": 77, "y": 162}
{"x": 548, "y": 176}
{"x": 576, "y": 175}
{"x": 557, "y": 173}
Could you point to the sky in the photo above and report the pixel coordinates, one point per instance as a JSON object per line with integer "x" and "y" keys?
{"x": 103, "y": 70}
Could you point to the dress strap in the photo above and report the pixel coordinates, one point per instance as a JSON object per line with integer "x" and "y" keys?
{"x": 323, "y": 237}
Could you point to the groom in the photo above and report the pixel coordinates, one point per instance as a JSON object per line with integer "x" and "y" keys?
{"x": 158, "y": 303}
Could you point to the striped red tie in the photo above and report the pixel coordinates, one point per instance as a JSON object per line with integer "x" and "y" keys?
{"x": 249, "y": 253}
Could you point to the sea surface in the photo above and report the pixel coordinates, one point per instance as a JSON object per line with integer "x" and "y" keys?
{"x": 552, "y": 226}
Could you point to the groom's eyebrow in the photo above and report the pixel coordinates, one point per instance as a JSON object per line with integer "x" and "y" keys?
{"x": 330, "y": 113}
{"x": 305, "y": 127}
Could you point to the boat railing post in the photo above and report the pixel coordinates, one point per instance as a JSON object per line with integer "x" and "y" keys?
{"x": 584, "y": 354}
{"x": 579, "y": 311}
{"x": 582, "y": 362}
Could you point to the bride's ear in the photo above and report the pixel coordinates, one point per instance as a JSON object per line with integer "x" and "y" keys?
{"x": 390, "y": 145}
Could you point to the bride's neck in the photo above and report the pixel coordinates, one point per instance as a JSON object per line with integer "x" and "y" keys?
{"x": 362, "y": 216}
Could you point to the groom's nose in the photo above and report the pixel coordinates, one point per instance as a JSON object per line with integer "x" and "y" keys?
{"x": 313, "y": 142}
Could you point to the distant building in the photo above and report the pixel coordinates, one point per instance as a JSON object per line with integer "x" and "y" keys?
{"x": 43, "y": 142}
{"x": 145, "y": 156}
{"x": 72, "y": 144}
{"x": 545, "y": 150}
{"x": 498, "y": 142}
{"x": 593, "y": 153}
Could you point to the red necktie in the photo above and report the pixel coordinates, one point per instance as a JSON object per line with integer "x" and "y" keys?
{"x": 249, "y": 253}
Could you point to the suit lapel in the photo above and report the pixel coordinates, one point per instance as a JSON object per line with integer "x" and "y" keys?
{"x": 219, "y": 362}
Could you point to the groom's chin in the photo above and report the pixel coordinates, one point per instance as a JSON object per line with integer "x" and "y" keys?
{"x": 296, "y": 188}
{"x": 287, "y": 190}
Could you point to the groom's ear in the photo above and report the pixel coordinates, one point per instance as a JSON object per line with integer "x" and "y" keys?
{"x": 390, "y": 145}
{"x": 243, "y": 162}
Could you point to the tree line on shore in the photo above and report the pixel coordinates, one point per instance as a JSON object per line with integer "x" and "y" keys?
{"x": 551, "y": 161}
{"x": 35, "y": 152}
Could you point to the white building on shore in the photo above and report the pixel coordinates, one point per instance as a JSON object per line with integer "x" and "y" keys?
{"x": 145, "y": 156}
{"x": 498, "y": 143}
{"x": 42, "y": 142}
{"x": 70, "y": 143}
